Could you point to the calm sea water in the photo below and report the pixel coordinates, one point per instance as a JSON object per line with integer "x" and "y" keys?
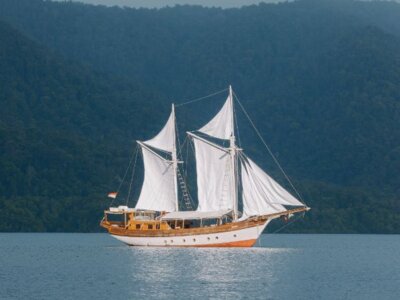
{"x": 95, "y": 266}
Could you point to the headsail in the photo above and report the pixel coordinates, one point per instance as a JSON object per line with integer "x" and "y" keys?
{"x": 261, "y": 194}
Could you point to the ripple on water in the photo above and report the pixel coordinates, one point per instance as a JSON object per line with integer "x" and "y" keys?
{"x": 79, "y": 266}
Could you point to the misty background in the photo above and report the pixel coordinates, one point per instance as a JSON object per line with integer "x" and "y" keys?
{"x": 164, "y": 3}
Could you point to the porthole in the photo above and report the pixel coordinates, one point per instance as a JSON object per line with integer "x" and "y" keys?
{"x": 194, "y": 240}
{"x": 234, "y": 235}
{"x": 172, "y": 241}
{"x": 216, "y": 238}
{"x": 165, "y": 241}
{"x": 184, "y": 240}
{"x": 208, "y": 238}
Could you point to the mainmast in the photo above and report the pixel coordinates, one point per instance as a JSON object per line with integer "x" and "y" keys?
{"x": 232, "y": 150}
{"x": 175, "y": 161}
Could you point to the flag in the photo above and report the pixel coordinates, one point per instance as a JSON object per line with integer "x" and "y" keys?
{"x": 113, "y": 195}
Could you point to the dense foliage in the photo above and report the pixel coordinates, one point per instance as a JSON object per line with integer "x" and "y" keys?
{"x": 79, "y": 83}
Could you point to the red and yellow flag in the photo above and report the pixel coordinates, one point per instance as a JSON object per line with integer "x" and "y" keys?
{"x": 113, "y": 195}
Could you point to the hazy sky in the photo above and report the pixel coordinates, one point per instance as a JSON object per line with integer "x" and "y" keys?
{"x": 161, "y": 3}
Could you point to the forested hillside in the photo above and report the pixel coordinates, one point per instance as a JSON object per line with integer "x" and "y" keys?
{"x": 65, "y": 134}
{"x": 320, "y": 78}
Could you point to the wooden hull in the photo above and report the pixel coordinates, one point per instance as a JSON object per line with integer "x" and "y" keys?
{"x": 240, "y": 234}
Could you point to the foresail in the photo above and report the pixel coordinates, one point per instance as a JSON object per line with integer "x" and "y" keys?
{"x": 221, "y": 126}
{"x": 214, "y": 185}
{"x": 261, "y": 194}
{"x": 158, "y": 192}
{"x": 165, "y": 139}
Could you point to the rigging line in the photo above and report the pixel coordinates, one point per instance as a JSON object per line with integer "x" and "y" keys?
{"x": 289, "y": 223}
{"x": 177, "y": 138}
{"x": 184, "y": 169}
{"x": 187, "y": 190}
{"x": 191, "y": 143}
{"x": 269, "y": 150}
{"x": 181, "y": 146}
{"x": 179, "y": 154}
{"x": 133, "y": 173}
{"x": 187, "y": 158}
{"x": 236, "y": 125}
{"x": 201, "y": 98}
{"x": 126, "y": 172}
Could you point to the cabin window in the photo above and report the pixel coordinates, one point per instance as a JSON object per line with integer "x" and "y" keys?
{"x": 194, "y": 240}
{"x": 157, "y": 226}
{"x": 172, "y": 241}
{"x": 234, "y": 235}
{"x": 208, "y": 238}
{"x": 216, "y": 238}
{"x": 137, "y": 226}
{"x": 150, "y": 226}
{"x": 184, "y": 240}
{"x": 210, "y": 222}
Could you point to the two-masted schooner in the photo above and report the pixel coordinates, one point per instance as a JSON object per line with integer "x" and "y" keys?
{"x": 220, "y": 170}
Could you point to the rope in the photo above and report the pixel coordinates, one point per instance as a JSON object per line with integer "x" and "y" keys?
{"x": 269, "y": 150}
{"x": 181, "y": 146}
{"x": 236, "y": 126}
{"x": 286, "y": 225}
{"x": 187, "y": 157}
{"x": 201, "y": 98}
{"x": 126, "y": 172}
{"x": 133, "y": 173}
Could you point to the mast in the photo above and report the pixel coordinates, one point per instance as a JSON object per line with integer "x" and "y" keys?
{"x": 233, "y": 154}
{"x": 175, "y": 160}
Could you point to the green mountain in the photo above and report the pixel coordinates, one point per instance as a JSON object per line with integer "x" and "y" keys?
{"x": 321, "y": 80}
{"x": 65, "y": 134}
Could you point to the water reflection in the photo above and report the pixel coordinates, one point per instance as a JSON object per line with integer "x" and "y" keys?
{"x": 226, "y": 272}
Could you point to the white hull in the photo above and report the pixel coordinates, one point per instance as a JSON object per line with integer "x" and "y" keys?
{"x": 244, "y": 237}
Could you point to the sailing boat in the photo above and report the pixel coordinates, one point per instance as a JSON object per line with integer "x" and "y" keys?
{"x": 217, "y": 222}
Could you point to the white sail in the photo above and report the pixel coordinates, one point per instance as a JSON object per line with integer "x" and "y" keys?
{"x": 165, "y": 139}
{"x": 261, "y": 194}
{"x": 221, "y": 126}
{"x": 214, "y": 185}
{"x": 158, "y": 191}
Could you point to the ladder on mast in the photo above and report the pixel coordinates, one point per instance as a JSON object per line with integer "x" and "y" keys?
{"x": 185, "y": 193}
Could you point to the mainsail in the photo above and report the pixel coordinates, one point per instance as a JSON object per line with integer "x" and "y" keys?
{"x": 159, "y": 189}
{"x": 214, "y": 184}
